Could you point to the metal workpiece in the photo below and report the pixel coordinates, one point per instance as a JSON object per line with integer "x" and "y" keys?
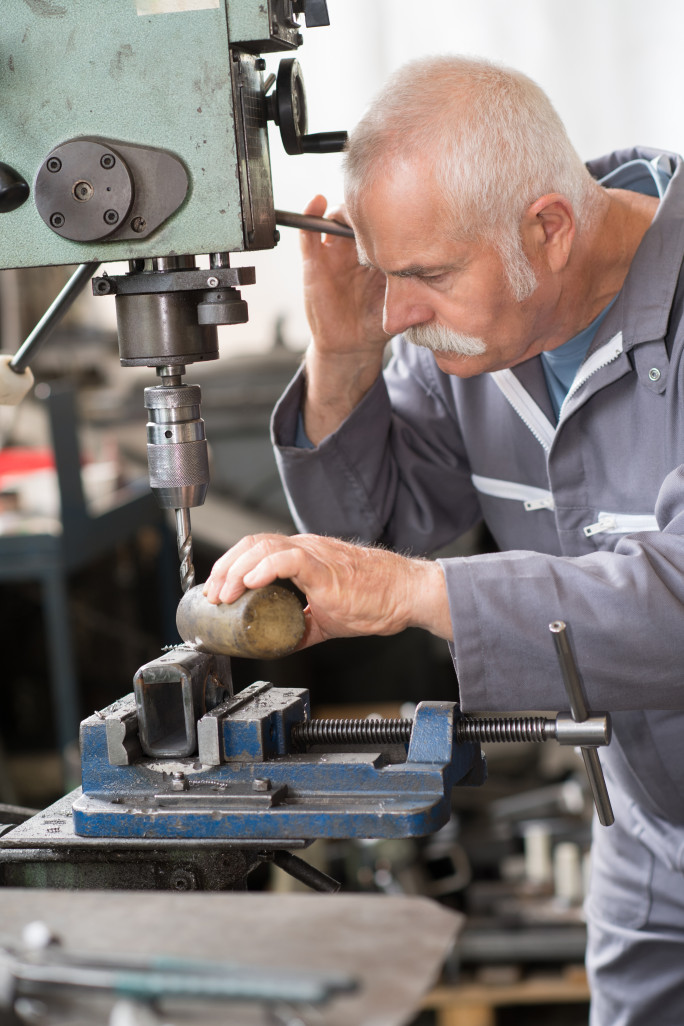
{"x": 171, "y": 694}
{"x": 263, "y": 623}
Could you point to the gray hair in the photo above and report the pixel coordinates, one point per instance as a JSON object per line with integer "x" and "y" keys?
{"x": 497, "y": 145}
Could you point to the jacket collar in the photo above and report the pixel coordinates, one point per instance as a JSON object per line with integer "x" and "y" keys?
{"x": 642, "y": 309}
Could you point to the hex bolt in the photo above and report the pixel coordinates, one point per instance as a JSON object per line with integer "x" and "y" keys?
{"x": 212, "y": 282}
{"x": 261, "y": 784}
{"x": 107, "y": 160}
{"x": 54, "y": 165}
{"x": 178, "y": 781}
{"x": 57, "y": 219}
{"x": 138, "y": 224}
{"x": 111, "y": 216}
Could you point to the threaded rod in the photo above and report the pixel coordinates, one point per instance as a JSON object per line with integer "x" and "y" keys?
{"x": 519, "y": 728}
{"x": 348, "y": 732}
{"x": 398, "y": 731}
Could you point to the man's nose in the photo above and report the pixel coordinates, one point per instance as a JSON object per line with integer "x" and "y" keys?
{"x": 402, "y": 308}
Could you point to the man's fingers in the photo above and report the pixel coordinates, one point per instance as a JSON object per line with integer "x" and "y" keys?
{"x": 245, "y": 554}
{"x": 287, "y": 564}
{"x": 317, "y": 206}
{"x": 311, "y": 242}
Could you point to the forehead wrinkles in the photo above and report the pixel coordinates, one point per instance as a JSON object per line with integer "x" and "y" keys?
{"x": 400, "y": 219}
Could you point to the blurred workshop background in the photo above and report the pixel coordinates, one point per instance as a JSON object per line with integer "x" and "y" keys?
{"x": 514, "y": 855}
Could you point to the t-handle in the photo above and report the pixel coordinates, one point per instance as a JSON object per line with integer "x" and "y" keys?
{"x": 580, "y": 712}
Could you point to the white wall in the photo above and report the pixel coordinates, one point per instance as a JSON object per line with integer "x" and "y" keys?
{"x": 613, "y": 69}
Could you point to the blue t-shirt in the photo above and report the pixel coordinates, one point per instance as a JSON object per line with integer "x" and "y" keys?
{"x": 561, "y": 364}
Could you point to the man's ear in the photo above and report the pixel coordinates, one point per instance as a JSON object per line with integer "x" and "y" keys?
{"x": 548, "y": 230}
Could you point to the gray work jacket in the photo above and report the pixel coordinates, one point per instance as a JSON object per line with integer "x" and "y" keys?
{"x": 588, "y": 512}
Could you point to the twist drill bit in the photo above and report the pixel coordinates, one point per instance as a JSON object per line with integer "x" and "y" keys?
{"x": 184, "y": 539}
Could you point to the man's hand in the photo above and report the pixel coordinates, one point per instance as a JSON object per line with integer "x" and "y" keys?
{"x": 343, "y": 303}
{"x": 351, "y": 590}
{"x": 342, "y": 299}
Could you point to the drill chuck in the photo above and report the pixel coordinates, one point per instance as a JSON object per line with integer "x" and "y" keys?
{"x": 177, "y": 453}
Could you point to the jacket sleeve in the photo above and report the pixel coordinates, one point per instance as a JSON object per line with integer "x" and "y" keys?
{"x": 624, "y": 610}
{"x": 394, "y": 472}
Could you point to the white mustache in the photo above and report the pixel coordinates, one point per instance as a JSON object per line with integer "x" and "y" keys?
{"x": 439, "y": 339}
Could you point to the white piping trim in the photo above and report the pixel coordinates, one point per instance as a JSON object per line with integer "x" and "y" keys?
{"x": 526, "y": 408}
{"x": 622, "y": 523}
{"x": 532, "y": 498}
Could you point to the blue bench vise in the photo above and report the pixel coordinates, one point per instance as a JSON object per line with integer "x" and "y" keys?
{"x": 185, "y": 758}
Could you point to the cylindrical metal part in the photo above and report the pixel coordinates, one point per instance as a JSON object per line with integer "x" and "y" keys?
{"x": 177, "y": 452}
{"x": 310, "y": 223}
{"x": 596, "y": 730}
{"x": 264, "y": 623}
{"x": 597, "y": 782}
{"x": 571, "y": 677}
{"x": 157, "y": 328}
{"x": 307, "y": 874}
{"x": 52, "y": 316}
{"x": 222, "y": 306}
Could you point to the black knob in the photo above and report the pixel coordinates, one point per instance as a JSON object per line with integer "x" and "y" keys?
{"x": 324, "y": 142}
{"x": 13, "y": 189}
{"x": 315, "y": 12}
{"x": 287, "y": 107}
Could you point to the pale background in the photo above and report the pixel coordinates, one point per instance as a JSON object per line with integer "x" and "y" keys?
{"x": 613, "y": 69}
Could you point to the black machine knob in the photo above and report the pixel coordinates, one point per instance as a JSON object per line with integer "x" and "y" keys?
{"x": 13, "y": 189}
{"x": 315, "y": 12}
{"x": 286, "y": 105}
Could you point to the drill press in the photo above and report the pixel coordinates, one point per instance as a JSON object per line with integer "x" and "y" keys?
{"x": 142, "y": 128}
{"x": 148, "y": 144}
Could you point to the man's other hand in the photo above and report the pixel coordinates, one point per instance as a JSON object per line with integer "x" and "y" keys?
{"x": 344, "y": 303}
{"x": 351, "y": 590}
{"x": 343, "y": 299}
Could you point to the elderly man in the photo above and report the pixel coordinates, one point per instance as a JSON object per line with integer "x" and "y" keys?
{"x": 536, "y": 384}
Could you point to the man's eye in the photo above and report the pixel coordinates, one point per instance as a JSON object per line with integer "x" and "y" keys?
{"x": 433, "y": 279}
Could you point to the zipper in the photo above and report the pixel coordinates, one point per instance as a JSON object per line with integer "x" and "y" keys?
{"x": 530, "y": 413}
{"x": 524, "y": 405}
{"x": 608, "y": 352}
{"x": 532, "y": 498}
{"x": 621, "y": 523}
